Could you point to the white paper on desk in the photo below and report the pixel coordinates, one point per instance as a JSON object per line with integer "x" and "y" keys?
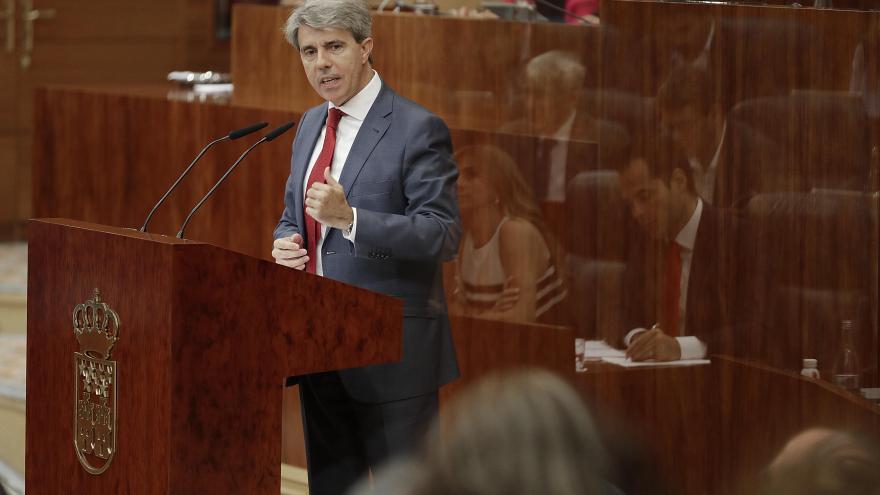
{"x": 598, "y": 349}
{"x": 626, "y": 363}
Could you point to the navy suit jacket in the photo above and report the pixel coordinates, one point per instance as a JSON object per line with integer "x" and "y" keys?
{"x": 400, "y": 175}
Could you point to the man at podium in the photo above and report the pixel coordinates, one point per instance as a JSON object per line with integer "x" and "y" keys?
{"x": 370, "y": 201}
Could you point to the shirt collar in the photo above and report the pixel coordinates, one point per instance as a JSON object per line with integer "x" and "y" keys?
{"x": 359, "y": 105}
{"x": 564, "y": 131}
{"x": 687, "y": 236}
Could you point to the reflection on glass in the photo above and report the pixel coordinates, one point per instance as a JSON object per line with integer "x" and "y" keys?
{"x": 679, "y": 299}
{"x": 508, "y": 266}
{"x": 690, "y": 114}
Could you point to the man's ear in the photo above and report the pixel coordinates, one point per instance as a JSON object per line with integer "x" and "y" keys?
{"x": 366, "y": 49}
{"x": 678, "y": 181}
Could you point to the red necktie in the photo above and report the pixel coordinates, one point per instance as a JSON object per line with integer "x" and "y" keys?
{"x": 671, "y": 289}
{"x": 313, "y": 227}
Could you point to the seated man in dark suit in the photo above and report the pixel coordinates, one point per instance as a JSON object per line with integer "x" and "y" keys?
{"x": 680, "y": 282}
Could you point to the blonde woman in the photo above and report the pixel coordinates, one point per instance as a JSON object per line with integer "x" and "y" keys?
{"x": 508, "y": 265}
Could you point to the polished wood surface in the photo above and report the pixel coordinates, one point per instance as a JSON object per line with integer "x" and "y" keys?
{"x": 207, "y": 338}
{"x": 101, "y": 41}
{"x": 710, "y": 429}
{"x": 483, "y": 346}
{"x": 112, "y": 167}
{"x": 761, "y": 50}
{"x": 467, "y": 71}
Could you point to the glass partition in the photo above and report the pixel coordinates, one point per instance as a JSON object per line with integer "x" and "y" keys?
{"x": 681, "y": 181}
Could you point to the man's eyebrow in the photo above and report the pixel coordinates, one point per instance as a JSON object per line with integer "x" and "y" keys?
{"x": 333, "y": 41}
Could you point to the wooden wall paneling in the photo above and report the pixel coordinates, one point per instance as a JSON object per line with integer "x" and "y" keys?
{"x": 9, "y": 192}
{"x": 107, "y": 42}
{"x": 77, "y": 20}
{"x": 467, "y": 71}
{"x": 754, "y": 51}
{"x": 131, "y": 148}
{"x": 267, "y": 72}
{"x": 203, "y": 50}
{"x": 11, "y": 135}
{"x": 8, "y": 81}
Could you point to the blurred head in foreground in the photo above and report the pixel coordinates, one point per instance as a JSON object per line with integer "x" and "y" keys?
{"x": 525, "y": 431}
{"x": 824, "y": 462}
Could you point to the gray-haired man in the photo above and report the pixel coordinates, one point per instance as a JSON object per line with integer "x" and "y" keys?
{"x": 370, "y": 201}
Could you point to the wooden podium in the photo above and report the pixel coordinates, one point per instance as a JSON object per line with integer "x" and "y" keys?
{"x": 189, "y": 398}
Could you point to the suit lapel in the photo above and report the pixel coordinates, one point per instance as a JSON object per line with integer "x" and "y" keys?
{"x": 310, "y": 131}
{"x": 703, "y": 273}
{"x": 371, "y": 132}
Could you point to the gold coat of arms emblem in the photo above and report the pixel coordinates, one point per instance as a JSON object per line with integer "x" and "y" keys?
{"x": 96, "y": 327}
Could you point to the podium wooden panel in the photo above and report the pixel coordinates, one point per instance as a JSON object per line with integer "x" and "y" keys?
{"x": 207, "y": 337}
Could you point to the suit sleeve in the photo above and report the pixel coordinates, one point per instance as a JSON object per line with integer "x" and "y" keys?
{"x": 287, "y": 224}
{"x": 430, "y": 228}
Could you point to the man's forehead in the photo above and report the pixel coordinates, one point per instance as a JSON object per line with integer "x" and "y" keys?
{"x": 309, "y": 35}
{"x": 636, "y": 172}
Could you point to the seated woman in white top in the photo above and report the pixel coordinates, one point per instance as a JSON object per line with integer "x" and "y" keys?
{"x": 507, "y": 267}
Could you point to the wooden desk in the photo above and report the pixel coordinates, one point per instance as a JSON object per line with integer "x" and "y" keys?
{"x": 709, "y": 428}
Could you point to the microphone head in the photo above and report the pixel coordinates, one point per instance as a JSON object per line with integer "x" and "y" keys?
{"x": 279, "y": 130}
{"x": 244, "y": 131}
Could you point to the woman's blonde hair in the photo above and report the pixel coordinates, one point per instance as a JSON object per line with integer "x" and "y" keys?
{"x": 503, "y": 176}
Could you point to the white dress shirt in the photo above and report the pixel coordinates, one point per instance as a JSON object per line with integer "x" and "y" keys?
{"x": 704, "y": 177}
{"x": 691, "y": 347}
{"x": 355, "y": 110}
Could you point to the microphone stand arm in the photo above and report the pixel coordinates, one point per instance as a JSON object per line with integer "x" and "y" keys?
{"x": 177, "y": 182}
{"x": 228, "y": 171}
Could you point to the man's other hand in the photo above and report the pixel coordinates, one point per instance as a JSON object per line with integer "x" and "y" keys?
{"x": 289, "y": 251}
{"x": 326, "y": 203}
{"x": 654, "y": 344}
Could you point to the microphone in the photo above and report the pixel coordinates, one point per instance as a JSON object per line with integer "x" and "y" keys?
{"x": 232, "y": 136}
{"x": 268, "y": 137}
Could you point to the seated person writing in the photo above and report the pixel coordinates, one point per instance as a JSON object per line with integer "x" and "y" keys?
{"x": 678, "y": 285}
